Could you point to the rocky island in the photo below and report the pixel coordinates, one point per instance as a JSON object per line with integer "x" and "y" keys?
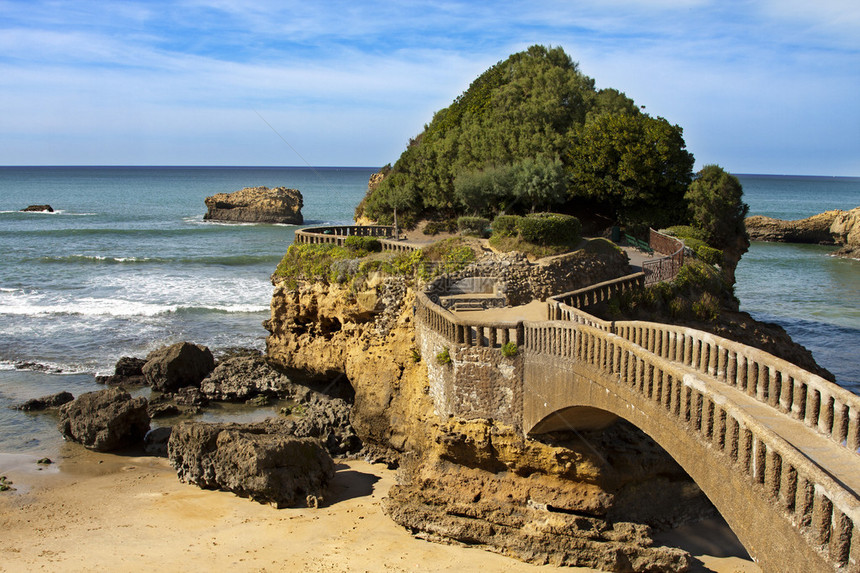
{"x": 256, "y": 205}
{"x": 834, "y": 227}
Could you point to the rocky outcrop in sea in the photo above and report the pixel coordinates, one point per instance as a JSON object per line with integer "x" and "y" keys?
{"x": 256, "y": 205}
{"x": 834, "y": 227}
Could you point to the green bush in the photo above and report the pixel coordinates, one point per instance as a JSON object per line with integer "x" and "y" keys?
{"x": 505, "y": 225}
{"x": 476, "y": 226}
{"x": 366, "y": 244}
{"x": 710, "y": 255}
{"x": 444, "y": 357}
{"x": 509, "y": 350}
{"x": 436, "y": 227}
{"x": 687, "y": 232}
{"x": 550, "y": 229}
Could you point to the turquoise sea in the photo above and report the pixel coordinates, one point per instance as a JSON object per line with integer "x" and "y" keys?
{"x": 126, "y": 264}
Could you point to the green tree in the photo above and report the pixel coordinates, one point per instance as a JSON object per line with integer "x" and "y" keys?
{"x": 632, "y": 166}
{"x": 715, "y": 205}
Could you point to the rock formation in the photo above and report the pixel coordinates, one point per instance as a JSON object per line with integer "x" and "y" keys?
{"x": 479, "y": 481}
{"x": 259, "y": 461}
{"x": 846, "y": 232}
{"x": 105, "y": 420}
{"x": 815, "y": 229}
{"x": 45, "y": 402}
{"x": 831, "y": 227}
{"x": 182, "y": 364}
{"x": 128, "y": 370}
{"x": 38, "y": 209}
{"x": 256, "y": 205}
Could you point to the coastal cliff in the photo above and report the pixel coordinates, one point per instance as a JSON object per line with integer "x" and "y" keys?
{"x": 578, "y": 499}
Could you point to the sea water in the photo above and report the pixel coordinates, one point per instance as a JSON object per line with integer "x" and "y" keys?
{"x": 803, "y": 288}
{"x": 126, "y": 264}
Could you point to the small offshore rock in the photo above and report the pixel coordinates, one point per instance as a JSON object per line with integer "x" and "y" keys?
{"x": 182, "y": 364}
{"x": 105, "y": 420}
{"x": 45, "y": 402}
{"x": 38, "y": 209}
{"x": 256, "y": 205}
{"x": 45, "y": 462}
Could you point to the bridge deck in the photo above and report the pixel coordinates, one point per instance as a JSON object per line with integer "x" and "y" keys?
{"x": 840, "y": 463}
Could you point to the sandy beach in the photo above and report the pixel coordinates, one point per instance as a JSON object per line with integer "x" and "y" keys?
{"x": 96, "y": 512}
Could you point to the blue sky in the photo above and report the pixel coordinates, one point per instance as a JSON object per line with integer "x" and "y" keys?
{"x": 770, "y": 86}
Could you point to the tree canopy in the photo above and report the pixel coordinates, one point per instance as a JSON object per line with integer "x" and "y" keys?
{"x": 715, "y": 203}
{"x": 533, "y": 132}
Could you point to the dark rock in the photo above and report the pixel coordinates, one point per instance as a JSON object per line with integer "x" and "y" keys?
{"x": 38, "y": 209}
{"x": 155, "y": 441}
{"x": 260, "y": 461}
{"x": 326, "y": 419}
{"x": 242, "y": 377}
{"x": 128, "y": 371}
{"x": 45, "y": 402}
{"x": 105, "y": 420}
{"x": 256, "y": 205}
{"x": 178, "y": 365}
{"x": 45, "y": 462}
{"x": 163, "y": 410}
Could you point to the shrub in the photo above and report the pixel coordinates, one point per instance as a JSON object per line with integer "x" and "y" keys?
{"x": 476, "y": 226}
{"x": 687, "y": 232}
{"x": 366, "y": 244}
{"x": 550, "y": 229}
{"x": 710, "y": 255}
{"x": 436, "y": 227}
{"x": 509, "y": 350}
{"x": 505, "y": 225}
{"x": 707, "y": 308}
{"x": 444, "y": 357}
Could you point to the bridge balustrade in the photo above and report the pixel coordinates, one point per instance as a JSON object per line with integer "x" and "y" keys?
{"x": 338, "y": 234}
{"x": 826, "y": 513}
{"x": 824, "y": 406}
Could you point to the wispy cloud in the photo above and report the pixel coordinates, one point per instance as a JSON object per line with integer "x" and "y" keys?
{"x": 188, "y": 73}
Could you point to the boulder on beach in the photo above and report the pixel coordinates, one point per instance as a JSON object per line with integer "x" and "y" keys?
{"x": 182, "y": 364}
{"x": 45, "y": 402}
{"x": 105, "y": 420}
{"x": 239, "y": 378}
{"x": 259, "y": 461}
{"x": 256, "y": 205}
{"x": 38, "y": 209}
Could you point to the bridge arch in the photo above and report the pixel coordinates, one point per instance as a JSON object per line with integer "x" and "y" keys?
{"x": 789, "y": 514}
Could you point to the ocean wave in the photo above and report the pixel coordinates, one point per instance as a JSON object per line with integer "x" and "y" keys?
{"x": 122, "y": 308}
{"x": 226, "y": 260}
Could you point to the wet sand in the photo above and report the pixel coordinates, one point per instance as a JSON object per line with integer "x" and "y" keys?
{"x": 95, "y": 512}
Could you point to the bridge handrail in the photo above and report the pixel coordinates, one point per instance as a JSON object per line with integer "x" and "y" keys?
{"x": 467, "y": 332}
{"x": 664, "y": 268}
{"x": 827, "y": 408}
{"x": 337, "y": 234}
{"x": 826, "y": 512}
{"x": 824, "y": 406}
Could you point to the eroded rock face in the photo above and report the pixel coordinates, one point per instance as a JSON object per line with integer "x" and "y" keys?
{"x": 846, "y": 232}
{"x": 182, "y": 364}
{"x": 259, "y": 461}
{"x": 509, "y": 515}
{"x": 105, "y": 420}
{"x": 256, "y": 205}
{"x": 128, "y": 370}
{"x": 242, "y": 377}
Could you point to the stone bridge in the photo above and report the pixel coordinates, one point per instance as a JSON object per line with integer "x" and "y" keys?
{"x": 775, "y": 448}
